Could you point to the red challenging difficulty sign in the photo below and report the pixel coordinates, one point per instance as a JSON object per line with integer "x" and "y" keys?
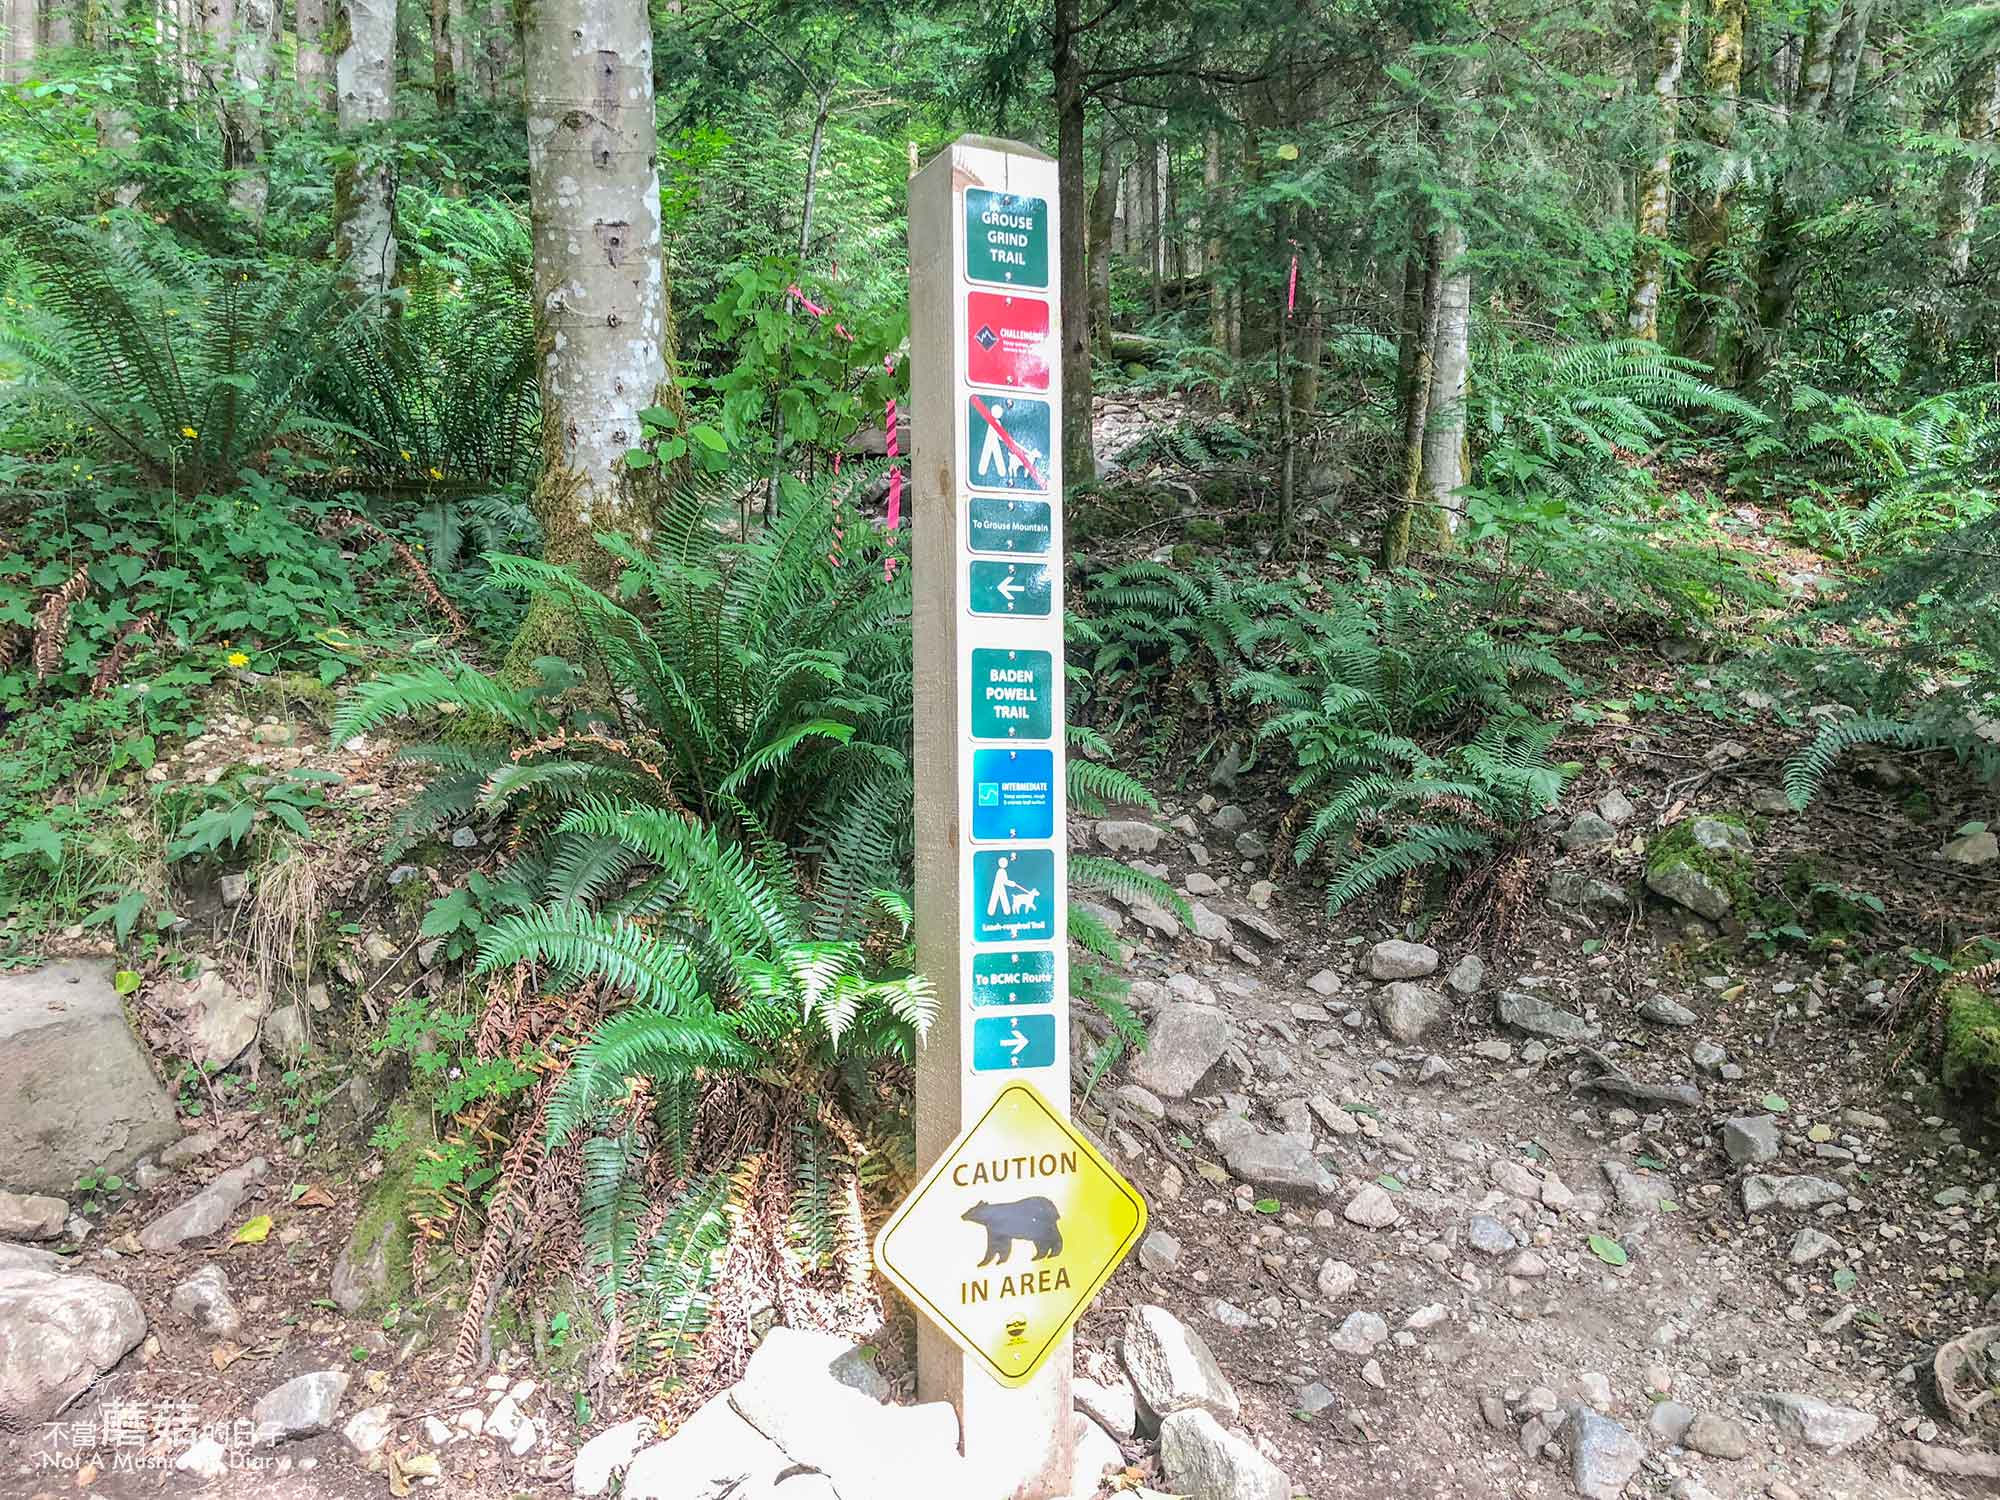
{"x": 1007, "y": 341}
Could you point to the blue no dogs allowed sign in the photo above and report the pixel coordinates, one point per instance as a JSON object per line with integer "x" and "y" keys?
{"x": 1013, "y": 895}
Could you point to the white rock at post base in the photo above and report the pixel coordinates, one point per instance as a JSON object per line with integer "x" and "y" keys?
{"x": 598, "y": 1460}
{"x": 790, "y": 1393}
{"x": 1203, "y": 1460}
{"x": 31, "y": 1216}
{"x": 1171, "y": 1367}
{"x": 1186, "y": 1041}
{"x": 58, "y": 1334}
{"x": 1112, "y": 1407}
{"x": 715, "y": 1454}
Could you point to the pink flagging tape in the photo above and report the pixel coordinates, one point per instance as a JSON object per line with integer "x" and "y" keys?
{"x": 1292, "y": 289}
{"x": 895, "y": 473}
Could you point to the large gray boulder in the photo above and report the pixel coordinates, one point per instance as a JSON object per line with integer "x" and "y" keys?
{"x": 1172, "y": 1369}
{"x": 1186, "y": 1041}
{"x": 58, "y": 1334}
{"x": 1408, "y": 1012}
{"x": 714, "y": 1454}
{"x": 302, "y": 1406}
{"x": 80, "y": 1093}
{"x": 1206, "y": 1461}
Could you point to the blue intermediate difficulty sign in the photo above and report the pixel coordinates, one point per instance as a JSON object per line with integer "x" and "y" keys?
{"x": 1013, "y": 794}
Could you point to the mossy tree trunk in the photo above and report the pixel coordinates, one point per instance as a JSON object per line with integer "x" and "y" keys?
{"x": 604, "y": 321}
{"x": 1649, "y": 253}
{"x": 1700, "y": 317}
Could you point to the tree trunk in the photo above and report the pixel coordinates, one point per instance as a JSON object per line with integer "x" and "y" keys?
{"x": 1211, "y": 215}
{"x": 1961, "y": 196}
{"x": 1102, "y": 202}
{"x": 444, "y": 81}
{"x": 497, "y": 49}
{"x": 364, "y": 190}
{"x": 1422, "y": 295}
{"x": 1847, "y": 49}
{"x": 1149, "y": 184}
{"x": 1784, "y": 259}
{"x": 1649, "y": 253}
{"x": 17, "y": 47}
{"x": 59, "y": 25}
{"x": 604, "y": 319}
{"x": 1078, "y": 438}
{"x": 1444, "y": 423}
{"x": 310, "y": 68}
{"x": 253, "y": 50}
{"x": 1709, "y": 225}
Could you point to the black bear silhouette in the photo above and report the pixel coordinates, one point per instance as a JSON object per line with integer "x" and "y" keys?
{"x": 1023, "y": 1219}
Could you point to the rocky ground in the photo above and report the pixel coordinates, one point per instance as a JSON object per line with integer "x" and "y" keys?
{"x": 1605, "y": 1187}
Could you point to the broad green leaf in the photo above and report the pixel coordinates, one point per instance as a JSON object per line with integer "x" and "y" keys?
{"x": 1608, "y": 1250}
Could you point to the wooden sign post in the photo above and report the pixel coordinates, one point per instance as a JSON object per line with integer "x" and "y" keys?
{"x": 992, "y": 881}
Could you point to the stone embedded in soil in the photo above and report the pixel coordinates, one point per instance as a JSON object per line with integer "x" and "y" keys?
{"x": 1972, "y": 849}
{"x": 1588, "y": 831}
{"x": 599, "y": 1460}
{"x": 1751, "y": 1140}
{"x": 1816, "y": 1423}
{"x": 1279, "y": 1162}
{"x": 368, "y": 1431}
{"x": 221, "y": 1019}
{"x": 1159, "y": 1251}
{"x": 1579, "y": 888}
{"x": 1808, "y": 1245}
{"x": 283, "y": 1037}
{"x": 1467, "y": 975}
{"x": 1640, "y": 1193}
{"x": 1337, "y": 1280}
{"x": 1603, "y": 1455}
{"x": 1514, "y": 1178}
{"x": 1615, "y": 807}
{"x": 58, "y": 1334}
{"x": 80, "y": 1094}
{"x": 1360, "y": 1333}
{"x": 1408, "y": 1012}
{"x": 1720, "y": 835}
{"x": 1156, "y": 919}
{"x": 31, "y": 1216}
{"x": 1796, "y": 1194}
{"x": 1489, "y": 1236}
{"x": 203, "y": 1301}
{"x": 1209, "y": 926}
{"x": 1203, "y": 1460}
{"x": 300, "y": 1407}
{"x": 1536, "y": 1017}
{"x": 1693, "y": 889}
{"x": 207, "y": 1459}
{"x": 1172, "y": 1368}
{"x": 1187, "y": 1040}
{"x": 1199, "y": 884}
{"x": 1128, "y": 836}
{"x": 197, "y": 1147}
{"x": 1372, "y": 1208}
{"x": 207, "y": 1212}
{"x": 1669, "y": 1421}
{"x": 1324, "y": 983}
{"x": 1394, "y": 959}
{"x": 1717, "y": 1437}
{"x": 1662, "y": 1011}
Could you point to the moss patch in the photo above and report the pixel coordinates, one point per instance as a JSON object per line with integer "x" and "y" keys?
{"x": 379, "y": 1248}
{"x": 1972, "y": 1044}
{"x": 1676, "y": 847}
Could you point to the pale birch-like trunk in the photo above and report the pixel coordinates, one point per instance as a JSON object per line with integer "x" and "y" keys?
{"x": 1218, "y": 294}
{"x": 1846, "y": 72}
{"x": 364, "y": 192}
{"x": 1709, "y": 224}
{"x": 604, "y": 323}
{"x": 59, "y": 25}
{"x": 253, "y": 46}
{"x": 17, "y": 47}
{"x": 1079, "y": 443}
{"x": 1444, "y": 425}
{"x": 1423, "y": 297}
{"x": 311, "y": 68}
{"x": 1649, "y": 253}
{"x": 1103, "y": 201}
{"x": 1961, "y": 196}
{"x": 494, "y": 58}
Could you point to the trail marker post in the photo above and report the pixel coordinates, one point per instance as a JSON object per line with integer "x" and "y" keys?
{"x": 1018, "y": 1220}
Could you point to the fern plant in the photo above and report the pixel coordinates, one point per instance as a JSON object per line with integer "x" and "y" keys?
{"x": 727, "y": 1105}
{"x": 189, "y": 367}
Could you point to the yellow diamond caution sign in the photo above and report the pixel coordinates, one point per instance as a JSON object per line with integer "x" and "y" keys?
{"x": 1009, "y": 1237}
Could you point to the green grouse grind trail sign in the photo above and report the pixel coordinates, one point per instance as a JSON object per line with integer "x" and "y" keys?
{"x": 991, "y": 815}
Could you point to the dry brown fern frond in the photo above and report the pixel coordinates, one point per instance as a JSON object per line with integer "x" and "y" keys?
{"x": 348, "y": 520}
{"x": 52, "y": 623}
{"x": 145, "y": 627}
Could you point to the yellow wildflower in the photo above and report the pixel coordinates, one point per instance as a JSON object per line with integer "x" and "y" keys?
{"x": 437, "y": 473}
{"x": 189, "y": 432}
{"x": 237, "y": 659}
{"x": 406, "y": 454}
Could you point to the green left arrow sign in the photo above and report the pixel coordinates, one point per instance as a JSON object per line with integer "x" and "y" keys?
{"x": 1009, "y": 588}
